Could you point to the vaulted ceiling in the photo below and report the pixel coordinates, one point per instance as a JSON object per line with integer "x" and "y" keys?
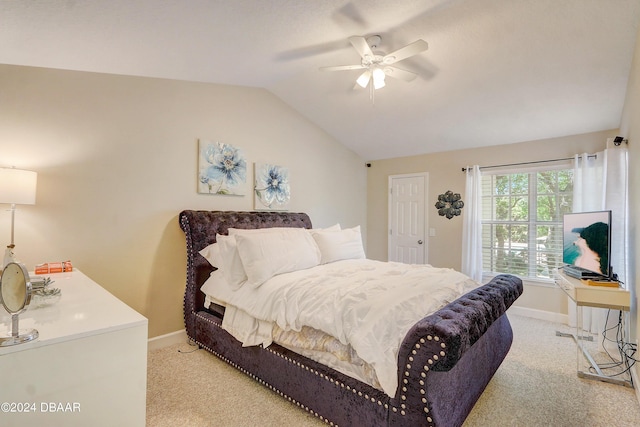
{"x": 496, "y": 71}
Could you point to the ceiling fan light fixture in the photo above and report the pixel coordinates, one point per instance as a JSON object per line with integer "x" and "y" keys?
{"x": 364, "y": 78}
{"x": 377, "y": 65}
{"x": 378, "y": 78}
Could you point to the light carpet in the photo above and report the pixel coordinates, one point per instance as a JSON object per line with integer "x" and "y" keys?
{"x": 536, "y": 385}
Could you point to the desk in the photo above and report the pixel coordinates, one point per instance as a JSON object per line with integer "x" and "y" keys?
{"x": 592, "y": 296}
{"x": 87, "y": 368}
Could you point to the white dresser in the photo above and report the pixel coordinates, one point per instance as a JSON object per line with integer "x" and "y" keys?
{"x": 87, "y": 368}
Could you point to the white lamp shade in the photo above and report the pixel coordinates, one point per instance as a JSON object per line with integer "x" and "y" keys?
{"x": 363, "y": 80}
{"x": 378, "y": 78}
{"x": 18, "y": 186}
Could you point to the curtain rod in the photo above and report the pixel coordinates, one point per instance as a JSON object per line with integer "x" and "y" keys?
{"x": 530, "y": 163}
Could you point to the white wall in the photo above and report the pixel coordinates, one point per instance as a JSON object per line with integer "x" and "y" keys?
{"x": 116, "y": 158}
{"x": 630, "y": 129}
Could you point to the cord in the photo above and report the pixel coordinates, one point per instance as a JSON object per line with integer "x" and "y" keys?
{"x": 626, "y": 350}
{"x": 191, "y": 343}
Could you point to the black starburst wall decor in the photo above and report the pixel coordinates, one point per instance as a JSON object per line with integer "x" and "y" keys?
{"x": 449, "y": 204}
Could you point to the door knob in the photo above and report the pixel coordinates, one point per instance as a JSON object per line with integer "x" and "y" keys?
{"x": 419, "y": 242}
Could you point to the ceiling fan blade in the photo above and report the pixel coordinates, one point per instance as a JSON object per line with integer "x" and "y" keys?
{"x": 360, "y": 44}
{"x": 343, "y": 67}
{"x": 405, "y": 52}
{"x": 398, "y": 73}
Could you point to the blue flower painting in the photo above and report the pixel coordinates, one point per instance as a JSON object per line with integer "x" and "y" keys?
{"x": 222, "y": 169}
{"x": 272, "y": 188}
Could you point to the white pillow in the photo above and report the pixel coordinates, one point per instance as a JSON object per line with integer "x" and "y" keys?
{"x": 267, "y": 254}
{"x": 232, "y": 267}
{"x": 224, "y": 256}
{"x": 217, "y": 288}
{"x": 335, "y": 227}
{"x": 338, "y": 245}
{"x": 212, "y": 254}
{"x": 235, "y": 231}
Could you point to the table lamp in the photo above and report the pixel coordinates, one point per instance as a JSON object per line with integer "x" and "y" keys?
{"x": 17, "y": 187}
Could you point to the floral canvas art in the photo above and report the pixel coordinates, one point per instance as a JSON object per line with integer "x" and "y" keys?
{"x": 222, "y": 169}
{"x": 272, "y": 187}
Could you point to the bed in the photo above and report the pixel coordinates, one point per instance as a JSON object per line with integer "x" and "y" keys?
{"x": 444, "y": 361}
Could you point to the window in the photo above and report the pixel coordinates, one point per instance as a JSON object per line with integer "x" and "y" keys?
{"x": 522, "y": 221}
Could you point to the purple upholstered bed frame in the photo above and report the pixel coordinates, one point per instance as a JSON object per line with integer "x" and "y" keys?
{"x": 444, "y": 363}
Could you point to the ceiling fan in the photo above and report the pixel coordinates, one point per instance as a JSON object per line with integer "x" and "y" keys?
{"x": 377, "y": 65}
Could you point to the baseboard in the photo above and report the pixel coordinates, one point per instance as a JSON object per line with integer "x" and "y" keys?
{"x": 166, "y": 340}
{"x": 539, "y": 314}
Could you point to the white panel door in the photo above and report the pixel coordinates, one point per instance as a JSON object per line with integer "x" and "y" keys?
{"x": 407, "y": 240}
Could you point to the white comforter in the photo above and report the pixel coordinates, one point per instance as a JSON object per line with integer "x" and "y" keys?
{"x": 370, "y": 305}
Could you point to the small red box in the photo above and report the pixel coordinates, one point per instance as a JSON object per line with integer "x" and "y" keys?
{"x": 53, "y": 267}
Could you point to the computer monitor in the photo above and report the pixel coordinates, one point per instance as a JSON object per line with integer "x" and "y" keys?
{"x": 587, "y": 241}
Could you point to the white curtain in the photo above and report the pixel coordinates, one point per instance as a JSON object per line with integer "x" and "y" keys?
{"x": 600, "y": 182}
{"x": 472, "y": 225}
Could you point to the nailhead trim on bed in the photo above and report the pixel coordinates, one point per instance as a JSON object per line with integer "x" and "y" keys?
{"x": 260, "y": 380}
{"x": 321, "y": 375}
{"x": 422, "y": 375}
{"x": 395, "y": 409}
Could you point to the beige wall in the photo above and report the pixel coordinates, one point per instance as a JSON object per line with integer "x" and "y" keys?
{"x": 445, "y": 173}
{"x": 630, "y": 128}
{"x": 116, "y": 159}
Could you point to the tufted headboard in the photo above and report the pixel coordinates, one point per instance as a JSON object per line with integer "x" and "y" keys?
{"x": 200, "y": 229}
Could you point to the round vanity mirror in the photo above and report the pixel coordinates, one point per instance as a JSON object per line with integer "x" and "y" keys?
{"x": 15, "y": 295}
{"x": 13, "y": 288}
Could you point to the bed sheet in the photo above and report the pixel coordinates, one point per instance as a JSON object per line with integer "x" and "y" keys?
{"x": 308, "y": 342}
{"x": 368, "y": 305}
